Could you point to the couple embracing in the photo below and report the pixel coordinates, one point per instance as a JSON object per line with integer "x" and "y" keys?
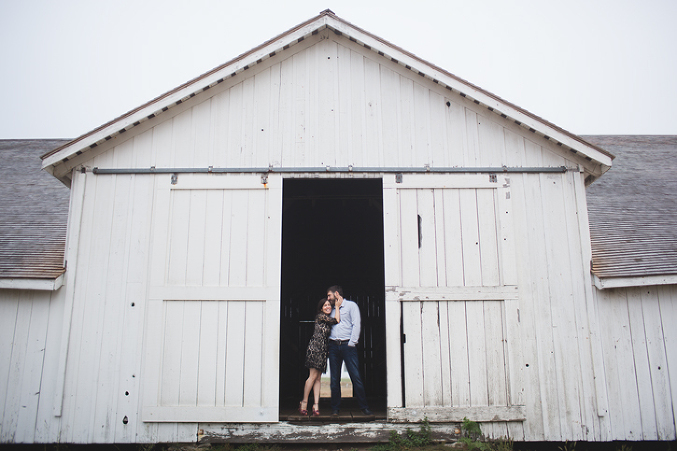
{"x": 337, "y": 330}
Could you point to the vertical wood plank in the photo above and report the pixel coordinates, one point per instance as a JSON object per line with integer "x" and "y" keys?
{"x": 246, "y": 146}
{"x": 256, "y": 237}
{"x": 287, "y": 113}
{"x": 405, "y": 129}
{"x": 667, "y": 300}
{"x": 235, "y": 126}
{"x": 472, "y": 268}
{"x": 427, "y": 250}
{"x": 471, "y": 155}
{"x": 170, "y": 377}
{"x": 459, "y": 352}
{"x": 220, "y": 394}
{"x": 183, "y": 141}
{"x": 456, "y": 132}
{"x": 345, "y": 108}
{"x": 477, "y": 359}
{"x": 445, "y": 354}
{"x": 409, "y": 238}
{"x": 261, "y": 131}
{"x": 207, "y": 355}
{"x": 29, "y": 386}
{"x": 189, "y": 352}
{"x": 373, "y": 152}
{"x": 235, "y": 353}
{"x": 253, "y": 358}
{"x": 212, "y": 237}
{"x": 453, "y": 238}
{"x": 488, "y": 247}
{"x": 440, "y": 238}
{"x": 413, "y": 354}
{"x": 421, "y": 150}
{"x": 237, "y": 276}
{"x": 431, "y": 354}
{"x": 642, "y": 366}
{"x": 220, "y": 125}
{"x": 389, "y": 115}
{"x": 660, "y": 383}
{"x": 438, "y": 148}
{"x": 358, "y": 111}
{"x": 202, "y": 133}
{"x": 178, "y": 237}
{"x": 16, "y": 363}
{"x": 196, "y": 246}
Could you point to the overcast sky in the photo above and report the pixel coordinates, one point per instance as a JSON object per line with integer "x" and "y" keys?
{"x": 590, "y": 67}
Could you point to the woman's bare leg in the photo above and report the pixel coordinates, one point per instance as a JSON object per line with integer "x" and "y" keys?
{"x": 310, "y": 382}
{"x": 316, "y": 391}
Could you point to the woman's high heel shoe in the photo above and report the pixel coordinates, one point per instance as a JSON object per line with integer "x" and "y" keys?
{"x": 316, "y": 412}
{"x": 303, "y": 411}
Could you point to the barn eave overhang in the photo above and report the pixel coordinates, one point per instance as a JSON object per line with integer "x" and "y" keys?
{"x": 603, "y": 283}
{"x": 32, "y": 283}
{"x": 59, "y": 162}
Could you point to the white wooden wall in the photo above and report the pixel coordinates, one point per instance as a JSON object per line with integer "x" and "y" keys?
{"x": 127, "y": 303}
{"x": 640, "y": 359}
{"x": 450, "y": 269}
{"x": 30, "y": 329}
{"x": 214, "y": 301}
{"x": 328, "y": 101}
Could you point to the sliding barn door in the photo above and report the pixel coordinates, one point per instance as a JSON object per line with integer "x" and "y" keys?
{"x": 451, "y": 285}
{"x": 213, "y": 316}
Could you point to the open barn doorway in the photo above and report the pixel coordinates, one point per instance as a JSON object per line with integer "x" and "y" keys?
{"x": 332, "y": 233}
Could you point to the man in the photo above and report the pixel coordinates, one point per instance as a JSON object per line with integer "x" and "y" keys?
{"x": 342, "y": 341}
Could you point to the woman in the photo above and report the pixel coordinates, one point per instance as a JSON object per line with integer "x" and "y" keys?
{"x": 316, "y": 355}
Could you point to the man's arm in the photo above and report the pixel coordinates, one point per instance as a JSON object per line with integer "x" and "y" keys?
{"x": 357, "y": 321}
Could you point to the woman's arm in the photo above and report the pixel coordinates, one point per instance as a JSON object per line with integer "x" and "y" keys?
{"x": 337, "y": 307}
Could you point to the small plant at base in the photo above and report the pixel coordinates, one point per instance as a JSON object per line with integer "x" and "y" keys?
{"x": 409, "y": 440}
{"x": 568, "y": 446}
{"x": 471, "y": 428}
{"x": 503, "y": 444}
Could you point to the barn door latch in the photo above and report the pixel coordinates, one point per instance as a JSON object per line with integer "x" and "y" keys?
{"x": 398, "y": 178}
{"x": 175, "y": 178}
{"x": 493, "y": 178}
{"x": 264, "y": 179}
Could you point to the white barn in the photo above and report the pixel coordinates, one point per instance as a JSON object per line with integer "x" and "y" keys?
{"x": 203, "y": 226}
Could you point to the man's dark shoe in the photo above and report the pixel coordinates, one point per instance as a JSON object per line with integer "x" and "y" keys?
{"x": 335, "y": 412}
{"x": 367, "y": 412}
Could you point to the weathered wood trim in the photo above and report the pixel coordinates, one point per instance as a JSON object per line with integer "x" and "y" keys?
{"x": 192, "y": 414}
{"x": 315, "y": 432}
{"x": 442, "y": 181}
{"x": 220, "y": 181}
{"x": 73, "y": 238}
{"x": 404, "y": 294}
{"x": 188, "y": 293}
{"x": 32, "y": 284}
{"x": 457, "y": 414}
{"x": 640, "y": 281}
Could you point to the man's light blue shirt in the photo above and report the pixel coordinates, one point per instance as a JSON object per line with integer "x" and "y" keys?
{"x": 349, "y": 327}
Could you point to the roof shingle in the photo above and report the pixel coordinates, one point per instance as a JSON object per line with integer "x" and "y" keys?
{"x": 633, "y": 208}
{"x": 33, "y": 212}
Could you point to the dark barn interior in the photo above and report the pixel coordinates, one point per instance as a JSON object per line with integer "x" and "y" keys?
{"x": 332, "y": 233}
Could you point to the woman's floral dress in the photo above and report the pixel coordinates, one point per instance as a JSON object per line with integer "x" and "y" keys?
{"x": 316, "y": 355}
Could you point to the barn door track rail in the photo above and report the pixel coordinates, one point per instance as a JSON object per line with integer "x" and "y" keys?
{"x": 330, "y": 169}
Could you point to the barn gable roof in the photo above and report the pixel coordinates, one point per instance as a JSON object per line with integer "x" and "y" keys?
{"x": 633, "y": 213}
{"x": 56, "y": 161}
{"x": 33, "y": 217}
